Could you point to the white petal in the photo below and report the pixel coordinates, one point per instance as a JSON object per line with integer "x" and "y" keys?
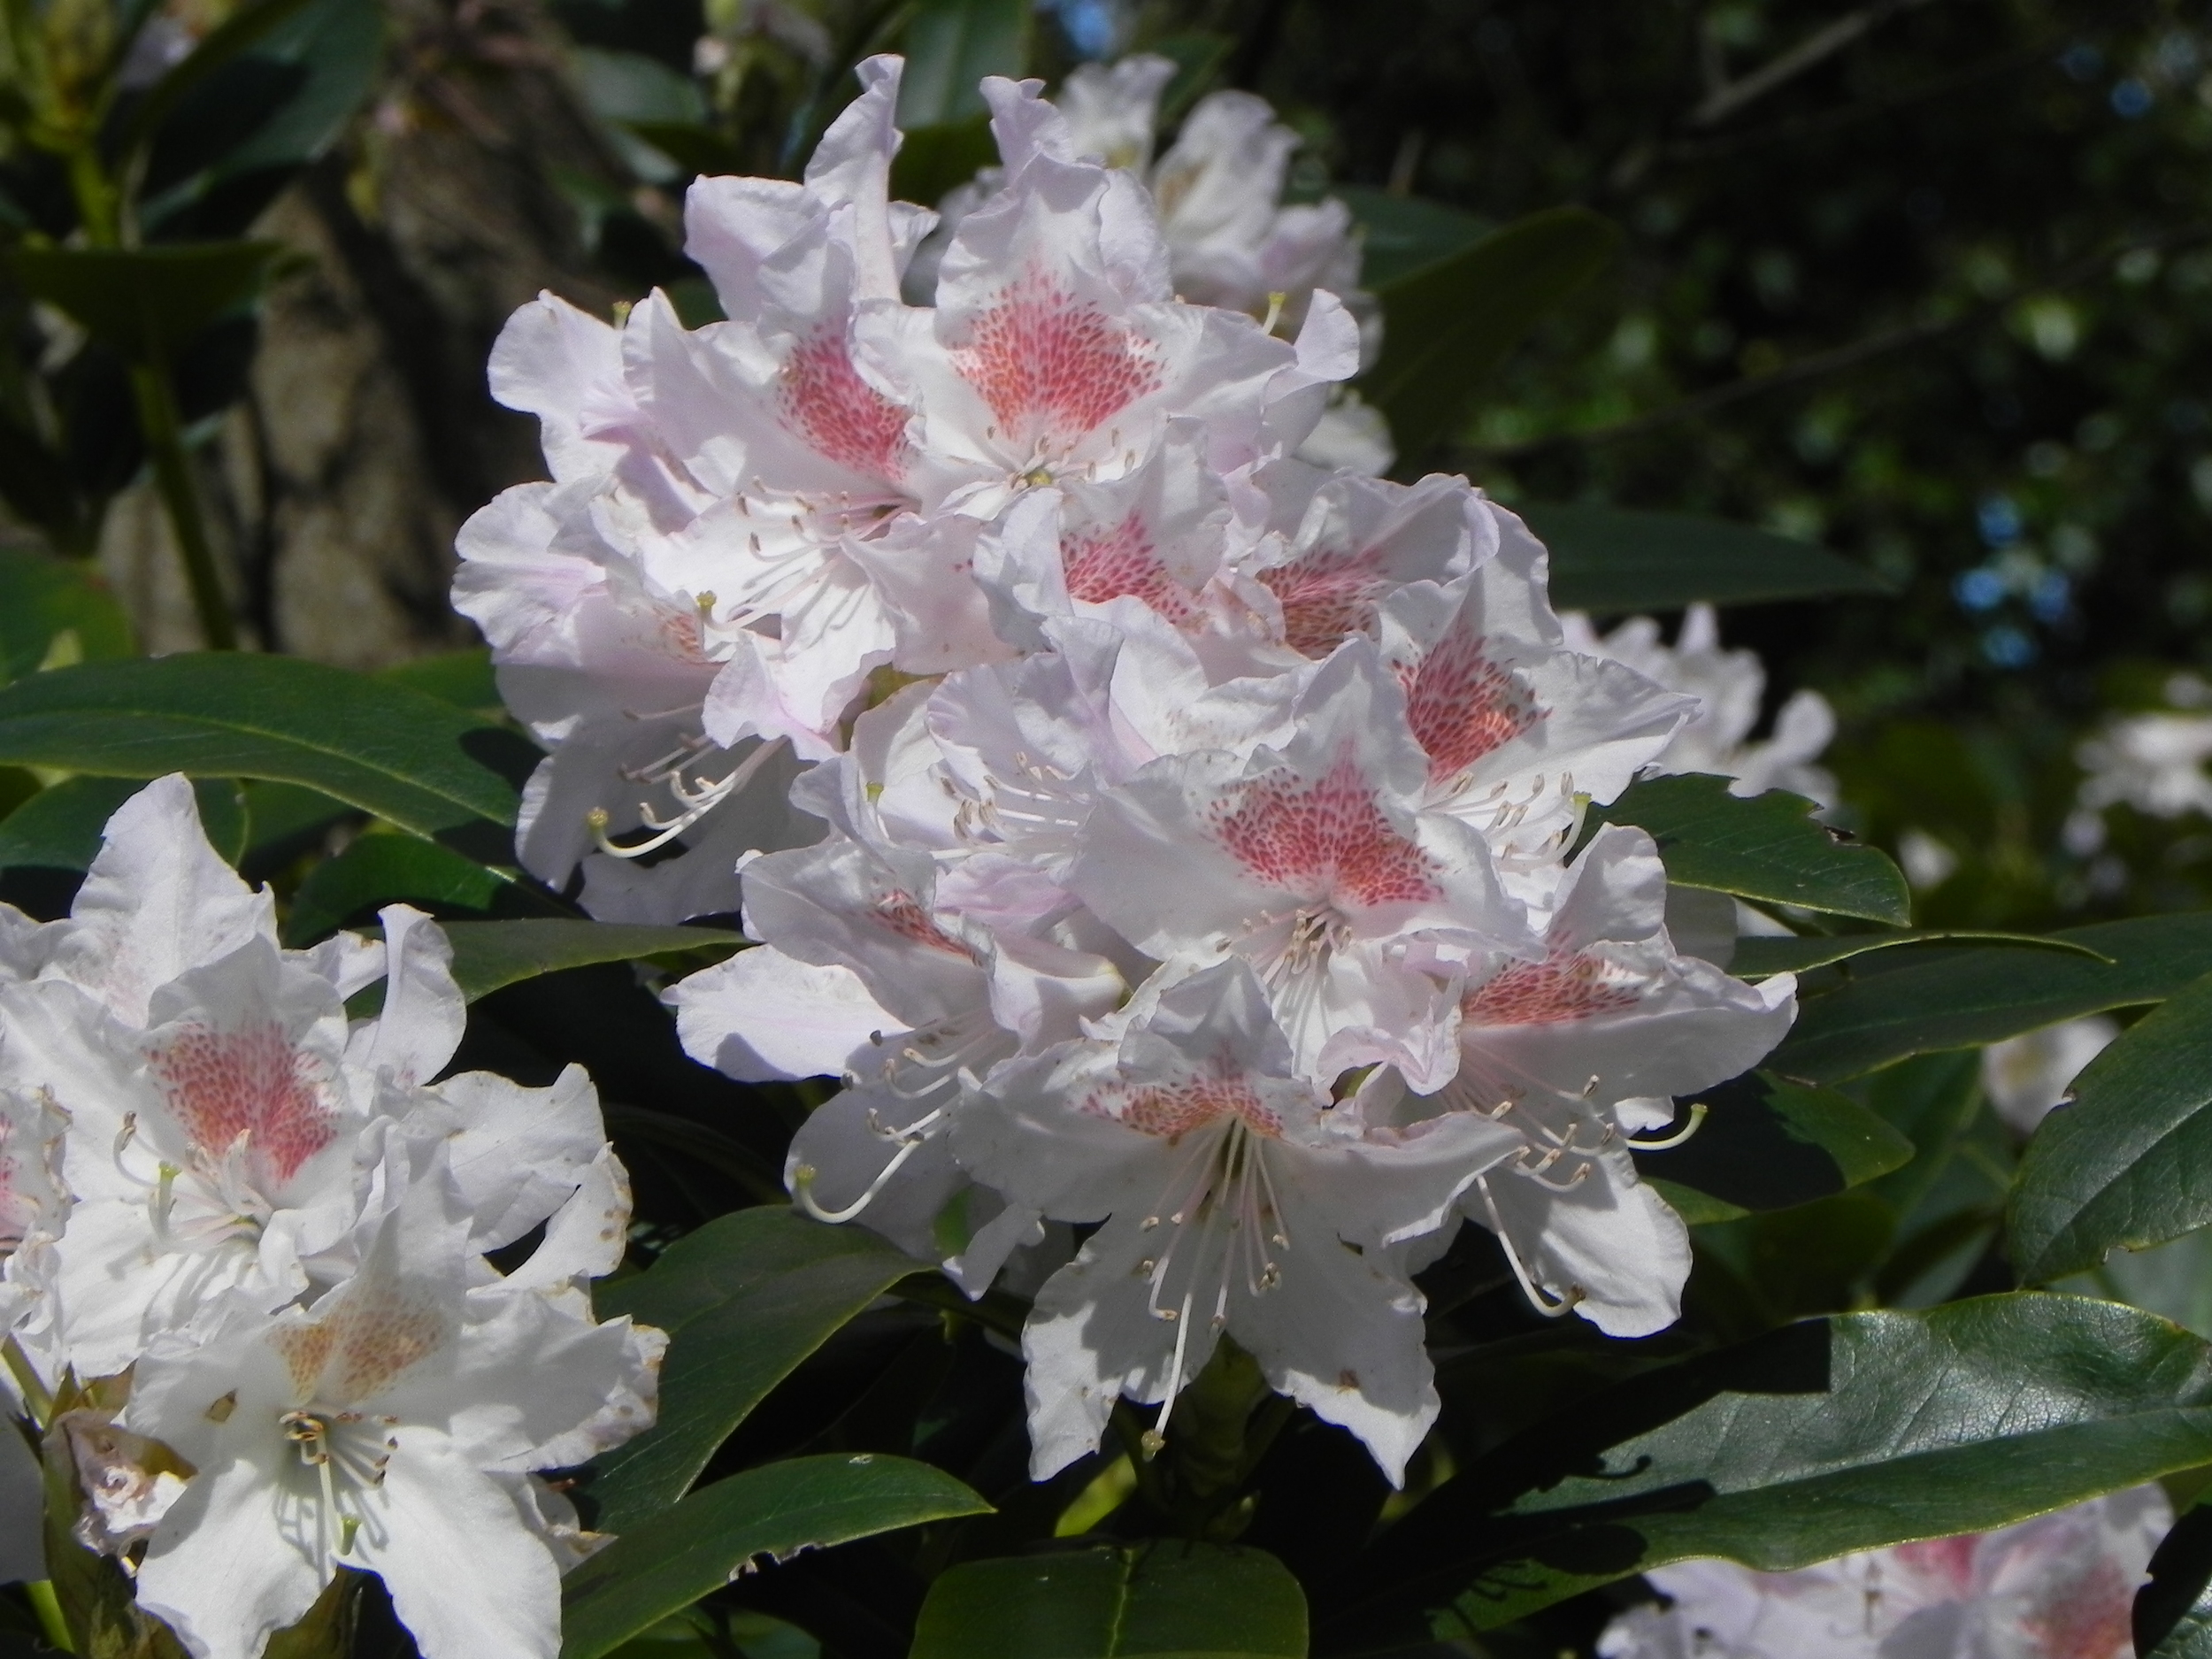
{"x": 223, "y": 1571}
{"x": 424, "y": 1014}
{"x": 763, "y": 1016}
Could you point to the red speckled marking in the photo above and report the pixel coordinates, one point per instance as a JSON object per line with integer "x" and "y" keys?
{"x": 1118, "y": 562}
{"x": 1326, "y": 839}
{"x": 361, "y": 1346}
{"x": 899, "y": 912}
{"x": 826, "y": 401}
{"x": 1545, "y": 993}
{"x": 1326, "y": 597}
{"x": 1463, "y": 706}
{"x": 1050, "y": 367}
{"x": 223, "y": 1084}
{"x": 2086, "y": 1616}
{"x": 1173, "y": 1112}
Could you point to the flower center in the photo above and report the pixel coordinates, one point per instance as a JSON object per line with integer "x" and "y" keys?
{"x": 348, "y": 1452}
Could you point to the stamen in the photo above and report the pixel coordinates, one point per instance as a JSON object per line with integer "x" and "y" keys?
{"x": 1697, "y": 1120}
{"x": 1549, "y": 1309}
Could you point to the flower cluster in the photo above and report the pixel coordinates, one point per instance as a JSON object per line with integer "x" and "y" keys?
{"x": 246, "y": 1276}
{"x": 1202, "y": 853}
{"x": 2061, "y": 1586}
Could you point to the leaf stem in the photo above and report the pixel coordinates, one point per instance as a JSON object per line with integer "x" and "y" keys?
{"x": 173, "y": 476}
{"x": 47, "y": 1607}
{"x": 36, "y": 1398}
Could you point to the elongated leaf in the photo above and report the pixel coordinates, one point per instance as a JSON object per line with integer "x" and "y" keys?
{"x": 423, "y": 763}
{"x": 1163, "y": 1600}
{"x": 777, "y": 1511}
{"x": 490, "y": 955}
{"x": 1849, "y": 1432}
{"x": 2130, "y": 1163}
{"x": 59, "y": 828}
{"x": 1447, "y": 325}
{"x": 41, "y": 598}
{"x": 2173, "y": 1612}
{"x": 1400, "y": 235}
{"x": 935, "y": 159}
{"x": 1618, "y": 559}
{"x": 950, "y": 46}
{"x": 380, "y": 870}
{"x": 744, "y": 1300}
{"x": 1766, "y": 847}
{"x": 238, "y": 32}
{"x": 463, "y": 678}
{"x": 1767, "y": 1143}
{"x": 147, "y": 303}
{"x": 1757, "y": 958}
{"x": 1960, "y": 999}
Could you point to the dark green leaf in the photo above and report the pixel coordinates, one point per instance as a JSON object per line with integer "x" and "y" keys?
{"x": 933, "y": 160}
{"x": 1767, "y": 1143}
{"x": 1400, "y": 235}
{"x": 1930, "y": 1100}
{"x": 2129, "y": 1164}
{"x": 463, "y": 678}
{"x": 950, "y": 46}
{"x": 1162, "y": 1601}
{"x": 238, "y": 32}
{"x": 1960, "y": 999}
{"x": 2173, "y": 1612}
{"x": 693, "y": 146}
{"x": 809, "y": 1503}
{"x": 1449, "y": 324}
{"x": 284, "y": 820}
{"x": 1756, "y": 957}
{"x": 41, "y": 598}
{"x": 1611, "y": 558}
{"x": 380, "y": 870}
{"x": 744, "y": 1300}
{"x": 490, "y": 955}
{"x": 1851, "y": 1432}
{"x": 147, "y": 303}
{"x": 1199, "y": 57}
{"x": 59, "y": 828}
{"x": 423, "y": 763}
{"x": 1766, "y": 847}
{"x": 627, "y": 88}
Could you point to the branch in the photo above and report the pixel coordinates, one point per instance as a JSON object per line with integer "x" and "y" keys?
{"x": 1817, "y": 48}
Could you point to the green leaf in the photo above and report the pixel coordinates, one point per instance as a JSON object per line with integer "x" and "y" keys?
{"x": 147, "y": 303}
{"x": 950, "y": 46}
{"x": 1851, "y": 1432}
{"x": 1758, "y": 958}
{"x": 59, "y": 828}
{"x": 2173, "y": 1612}
{"x": 41, "y": 598}
{"x": 2129, "y": 1164}
{"x": 806, "y": 1503}
{"x": 1450, "y": 323}
{"x": 380, "y": 870}
{"x": 1960, "y": 999}
{"x": 1613, "y": 558}
{"x": 238, "y": 32}
{"x": 744, "y": 1300}
{"x": 463, "y": 678}
{"x": 626, "y": 89}
{"x": 1400, "y": 235}
{"x": 284, "y": 820}
{"x": 424, "y": 765}
{"x": 1766, "y": 847}
{"x": 1768, "y": 1143}
{"x": 1199, "y": 56}
{"x": 487, "y": 955}
{"x": 1162, "y": 1600}
{"x": 933, "y": 160}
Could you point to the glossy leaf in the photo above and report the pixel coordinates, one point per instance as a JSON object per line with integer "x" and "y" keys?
{"x": 147, "y": 303}
{"x": 1959, "y": 999}
{"x": 59, "y": 828}
{"x": 1850, "y": 1432}
{"x": 1768, "y": 1143}
{"x": 379, "y": 870}
{"x": 490, "y": 955}
{"x": 1766, "y": 847}
{"x": 950, "y": 46}
{"x": 933, "y": 160}
{"x": 2129, "y": 1164}
{"x": 43, "y": 598}
{"x": 1616, "y": 558}
{"x": 463, "y": 678}
{"x": 424, "y": 765}
{"x": 1400, "y": 235}
{"x": 1758, "y": 958}
{"x": 670, "y": 1561}
{"x": 1164, "y": 1601}
{"x": 744, "y": 1299}
{"x": 2173, "y": 1612}
{"x": 1450, "y": 323}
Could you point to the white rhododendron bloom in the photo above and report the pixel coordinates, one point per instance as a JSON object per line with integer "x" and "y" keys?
{"x": 2061, "y": 1586}
{"x": 2153, "y": 762}
{"x": 1187, "y": 841}
{"x": 1728, "y": 685}
{"x": 2026, "y": 1076}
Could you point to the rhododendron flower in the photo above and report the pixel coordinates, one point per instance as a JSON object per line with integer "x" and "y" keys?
{"x": 1236, "y": 1200}
{"x": 34, "y": 1203}
{"x": 2061, "y": 1586}
{"x": 224, "y": 1117}
{"x": 1728, "y": 685}
{"x": 2026, "y": 1077}
{"x": 391, "y": 1427}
